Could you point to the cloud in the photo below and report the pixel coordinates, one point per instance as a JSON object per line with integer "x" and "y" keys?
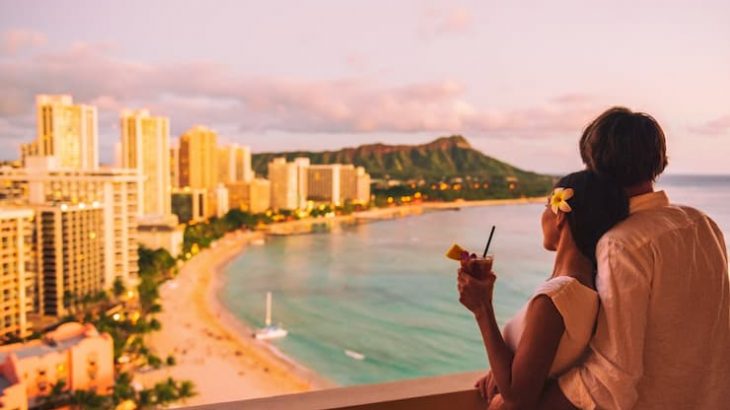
{"x": 203, "y": 93}
{"x": 438, "y": 21}
{"x": 14, "y": 40}
{"x": 718, "y": 126}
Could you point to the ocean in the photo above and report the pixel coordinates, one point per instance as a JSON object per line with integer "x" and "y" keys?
{"x": 385, "y": 290}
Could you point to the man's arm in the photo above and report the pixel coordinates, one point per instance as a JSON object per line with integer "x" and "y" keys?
{"x": 613, "y": 366}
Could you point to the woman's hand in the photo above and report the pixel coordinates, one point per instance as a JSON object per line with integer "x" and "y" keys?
{"x": 487, "y": 387}
{"x": 497, "y": 403}
{"x": 475, "y": 294}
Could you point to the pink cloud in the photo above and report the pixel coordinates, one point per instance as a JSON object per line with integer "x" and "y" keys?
{"x": 446, "y": 21}
{"x": 437, "y": 22}
{"x": 718, "y": 126}
{"x": 356, "y": 61}
{"x": 458, "y": 19}
{"x": 212, "y": 94}
{"x": 14, "y": 40}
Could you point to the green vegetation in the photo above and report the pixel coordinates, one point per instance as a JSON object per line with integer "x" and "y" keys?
{"x": 161, "y": 394}
{"x": 60, "y": 397}
{"x": 155, "y": 266}
{"x": 438, "y": 161}
{"x": 201, "y": 235}
{"x": 127, "y": 319}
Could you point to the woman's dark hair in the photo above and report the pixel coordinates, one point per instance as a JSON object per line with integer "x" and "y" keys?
{"x": 598, "y": 203}
{"x": 627, "y": 146}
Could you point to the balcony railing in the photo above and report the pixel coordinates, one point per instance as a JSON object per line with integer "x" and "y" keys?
{"x": 442, "y": 392}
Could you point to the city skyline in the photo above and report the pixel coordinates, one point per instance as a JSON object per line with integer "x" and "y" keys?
{"x": 519, "y": 83}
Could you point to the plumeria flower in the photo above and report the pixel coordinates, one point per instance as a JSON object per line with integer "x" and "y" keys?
{"x": 559, "y": 200}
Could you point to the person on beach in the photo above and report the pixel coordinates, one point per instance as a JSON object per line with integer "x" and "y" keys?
{"x": 662, "y": 337}
{"x": 552, "y": 331}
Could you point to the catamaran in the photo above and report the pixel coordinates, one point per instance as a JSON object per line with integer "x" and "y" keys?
{"x": 270, "y": 331}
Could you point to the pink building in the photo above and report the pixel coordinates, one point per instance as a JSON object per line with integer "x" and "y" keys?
{"x": 74, "y": 353}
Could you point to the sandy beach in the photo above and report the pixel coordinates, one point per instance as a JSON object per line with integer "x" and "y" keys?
{"x": 213, "y": 348}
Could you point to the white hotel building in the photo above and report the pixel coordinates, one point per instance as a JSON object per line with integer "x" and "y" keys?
{"x": 115, "y": 191}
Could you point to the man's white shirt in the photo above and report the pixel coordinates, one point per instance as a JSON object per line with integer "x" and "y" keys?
{"x": 662, "y": 336}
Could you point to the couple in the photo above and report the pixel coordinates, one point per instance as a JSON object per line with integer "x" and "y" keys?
{"x": 636, "y": 313}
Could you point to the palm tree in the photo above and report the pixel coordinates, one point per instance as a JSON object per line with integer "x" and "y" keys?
{"x": 89, "y": 399}
{"x": 186, "y": 390}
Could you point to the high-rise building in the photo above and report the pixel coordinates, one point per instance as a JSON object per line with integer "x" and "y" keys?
{"x": 253, "y": 197}
{"x": 363, "y": 186}
{"x": 302, "y": 164}
{"x": 28, "y": 150}
{"x": 288, "y": 183}
{"x": 234, "y": 164}
{"x": 116, "y": 191}
{"x": 67, "y": 131}
{"x": 323, "y": 183}
{"x": 17, "y": 270}
{"x": 70, "y": 255}
{"x": 73, "y": 353}
{"x": 221, "y": 200}
{"x": 175, "y": 167}
{"x": 199, "y": 159}
{"x": 283, "y": 178}
{"x": 354, "y": 184}
{"x": 145, "y": 147}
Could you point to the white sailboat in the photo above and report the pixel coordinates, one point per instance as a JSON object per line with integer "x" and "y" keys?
{"x": 354, "y": 355}
{"x": 270, "y": 331}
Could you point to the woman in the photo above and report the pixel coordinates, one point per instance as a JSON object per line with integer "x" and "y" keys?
{"x": 553, "y": 329}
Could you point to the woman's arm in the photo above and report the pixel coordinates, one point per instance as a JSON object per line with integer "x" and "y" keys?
{"x": 520, "y": 376}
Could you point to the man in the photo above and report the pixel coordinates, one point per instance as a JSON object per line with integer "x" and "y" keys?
{"x": 662, "y": 337}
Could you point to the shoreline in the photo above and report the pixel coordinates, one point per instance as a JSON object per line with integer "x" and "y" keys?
{"x": 214, "y": 348}
{"x": 239, "y": 329}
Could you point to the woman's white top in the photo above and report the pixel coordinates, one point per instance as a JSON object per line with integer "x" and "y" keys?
{"x": 577, "y": 304}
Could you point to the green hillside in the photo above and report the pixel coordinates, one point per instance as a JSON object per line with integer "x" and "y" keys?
{"x": 443, "y": 159}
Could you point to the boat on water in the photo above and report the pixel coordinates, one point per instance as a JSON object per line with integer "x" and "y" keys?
{"x": 258, "y": 241}
{"x": 269, "y": 331}
{"x": 354, "y": 355}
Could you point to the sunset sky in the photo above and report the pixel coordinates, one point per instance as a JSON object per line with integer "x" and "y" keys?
{"x": 518, "y": 78}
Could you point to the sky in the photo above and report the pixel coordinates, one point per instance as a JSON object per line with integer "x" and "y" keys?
{"x": 519, "y": 79}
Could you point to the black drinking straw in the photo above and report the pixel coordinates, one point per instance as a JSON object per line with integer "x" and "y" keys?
{"x": 489, "y": 241}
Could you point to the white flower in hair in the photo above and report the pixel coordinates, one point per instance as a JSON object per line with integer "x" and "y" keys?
{"x": 559, "y": 200}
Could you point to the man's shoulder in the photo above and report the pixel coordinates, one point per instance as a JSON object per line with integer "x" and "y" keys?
{"x": 646, "y": 226}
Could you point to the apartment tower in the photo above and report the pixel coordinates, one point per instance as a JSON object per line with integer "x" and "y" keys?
{"x": 67, "y": 131}
{"x": 354, "y": 184}
{"x": 145, "y": 148}
{"x": 234, "y": 164}
{"x": 324, "y": 183}
{"x": 70, "y": 255}
{"x": 199, "y": 159}
{"x": 114, "y": 191}
{"x": 288, "y": 183}
{"x": 17, "y": 270}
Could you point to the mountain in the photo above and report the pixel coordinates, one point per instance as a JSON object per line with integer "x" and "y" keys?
{"x": 443, "y": 158}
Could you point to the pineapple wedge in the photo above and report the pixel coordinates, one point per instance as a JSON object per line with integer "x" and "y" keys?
{"x": 455, "y": 252}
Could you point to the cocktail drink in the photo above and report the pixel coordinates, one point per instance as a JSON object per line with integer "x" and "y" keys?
{"x": 476, "y": 266}
{"x": 479, "y": 267}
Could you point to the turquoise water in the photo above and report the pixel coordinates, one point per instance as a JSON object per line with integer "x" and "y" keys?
{"x": 385, "y": 290}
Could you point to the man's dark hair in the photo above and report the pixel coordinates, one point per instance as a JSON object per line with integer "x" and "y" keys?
{"x": 627, "y": 146}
